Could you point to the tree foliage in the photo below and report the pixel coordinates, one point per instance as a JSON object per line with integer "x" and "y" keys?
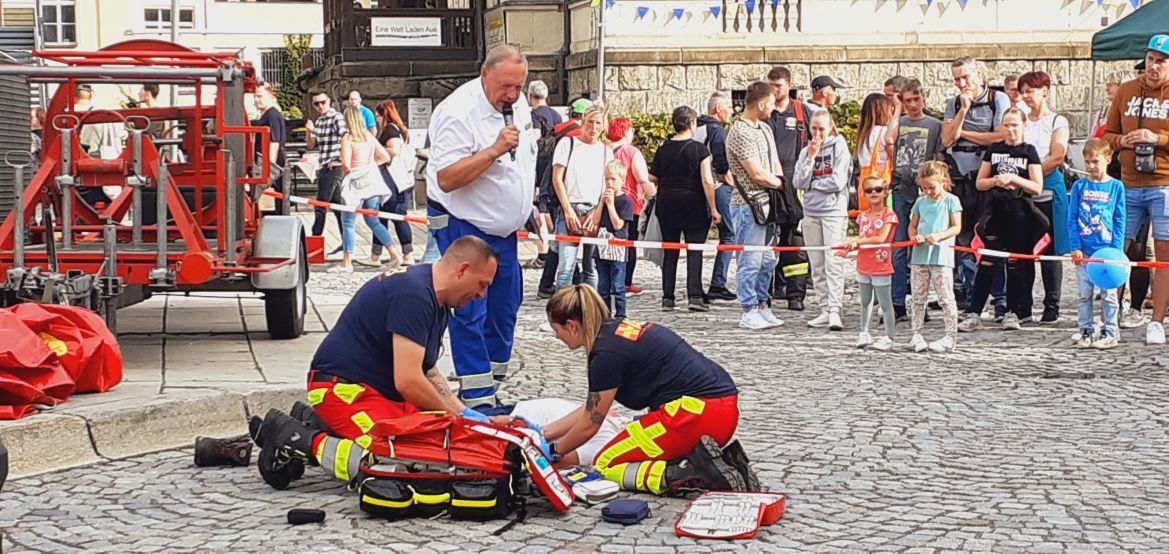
{"x": 287, "y": 92}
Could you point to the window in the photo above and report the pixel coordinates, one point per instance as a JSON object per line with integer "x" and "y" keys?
{"x": 59, "y": 22}
{"x": 159, "y": 18}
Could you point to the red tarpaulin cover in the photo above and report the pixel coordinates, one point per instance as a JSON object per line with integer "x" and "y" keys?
{"x": 49, "y": 352}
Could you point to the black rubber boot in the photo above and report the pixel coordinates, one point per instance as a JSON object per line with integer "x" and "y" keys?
{"x": 3, "y": 464}
{"x": 287, "y": 447}
{"x": 702, "y": 470}
{"x": 733, "y": 454}
{"x": 308, "y": 415}
{"x": 234, "y": 451}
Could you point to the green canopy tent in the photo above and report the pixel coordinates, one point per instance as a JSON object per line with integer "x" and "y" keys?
{"x": 1126, "y": 39}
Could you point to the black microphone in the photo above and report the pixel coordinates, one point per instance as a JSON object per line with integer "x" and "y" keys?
{"x": 507, "y": 120}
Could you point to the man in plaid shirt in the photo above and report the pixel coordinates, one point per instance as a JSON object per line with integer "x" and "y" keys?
{"x": 326, "y": 136}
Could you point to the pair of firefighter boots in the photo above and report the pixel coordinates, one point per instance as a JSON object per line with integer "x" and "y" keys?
{"x": 711, "y": 468}
{"x": 286, "y": 443}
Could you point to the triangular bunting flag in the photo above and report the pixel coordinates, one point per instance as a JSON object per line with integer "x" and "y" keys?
{"x": 641, "y": 11}
{"x": 1085, "y": 6}
{"x": 774, "y": 4}
{"x": 1067, "y": 3}
{"x": 1099, "y": 2}
{"x": 679, "y": 12}
{"x": 610, "y": 3}
{"x": 901, "y": 4}
{"x": 1135, "y": 3}
{"x": 715, "y": 10}
{"x": 750, "y": 6}
{"x": 962, "y": 3}
{"x": 941, "y": 8}
{"x": 595, "y": 3}
{"x": 880, "y": 4}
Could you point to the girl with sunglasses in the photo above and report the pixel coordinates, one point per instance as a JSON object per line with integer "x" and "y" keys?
{"x": 874, "y": 266}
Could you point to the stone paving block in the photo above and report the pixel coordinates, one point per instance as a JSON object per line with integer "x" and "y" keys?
{"x": 130, "y": 427}
{"x": 46, "y": 441}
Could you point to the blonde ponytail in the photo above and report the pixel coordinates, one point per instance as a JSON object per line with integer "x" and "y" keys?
{"x": 582, "y": 304}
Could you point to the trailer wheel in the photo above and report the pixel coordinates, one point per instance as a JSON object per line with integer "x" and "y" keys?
{"x": 285, "y": 310}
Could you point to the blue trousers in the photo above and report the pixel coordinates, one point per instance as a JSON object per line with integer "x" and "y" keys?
{"x": 903, "y": 207}
{"x": 483, "y": 331}
{"x": 726, "y": 235}
{"x": 611, "y": 285}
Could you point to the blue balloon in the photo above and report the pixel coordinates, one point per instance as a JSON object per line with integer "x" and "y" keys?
{"x": 1108, "y": 276}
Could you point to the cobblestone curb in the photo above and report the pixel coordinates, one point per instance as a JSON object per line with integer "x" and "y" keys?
{"x": 77, "y": 436}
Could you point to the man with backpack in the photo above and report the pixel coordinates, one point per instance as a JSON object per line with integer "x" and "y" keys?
{"x": 789, "y": 124}
{"x": 547, "y": 201}
{"x": 971, "y": 124}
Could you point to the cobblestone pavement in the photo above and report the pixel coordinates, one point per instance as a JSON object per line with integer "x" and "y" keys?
{"x": 1016, "y": 442}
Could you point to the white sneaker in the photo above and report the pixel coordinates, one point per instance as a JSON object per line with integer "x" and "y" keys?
{"x": 1154, "y": 333}
{"x": 1133, "y": 319}
{"x": 368, "y": 262}
{"x": 770, "y": 318}
{"x": 1085, "y": 339}
{"x": 340, "y": 269}
{"x": 918, "y": 343}
{"x": 821, "y": 320}
{"x": 944, "y": 344}
{"x": 1011, "y": 322}
{"x": 864, "y": 339}
{"x": 754, "y": 321}
{"x": 969, "y": 322}
{"x": 1106, "y": 342}
{"x": 882, "y": 344}
{"x": 834, "y": 322}
{"x": 334, "y": 256}
{"x": 408, "y": 259}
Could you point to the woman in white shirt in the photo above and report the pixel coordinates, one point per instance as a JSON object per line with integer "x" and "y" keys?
{"x": 1048, "y": 132}
{"x": 578, "y": 176}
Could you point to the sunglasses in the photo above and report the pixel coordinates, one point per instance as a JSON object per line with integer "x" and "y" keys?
{"x": 320, "y": 102}
{"x": 874, "y": 190}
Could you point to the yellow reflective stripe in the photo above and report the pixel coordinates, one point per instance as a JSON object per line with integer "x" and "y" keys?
{"x": 341, "y": 460}
{"x": 644, "y": 437}
{"x": 688, "y": 403}
{"x": 364, "y": 441}
{"x": 609, "y": 454}
{"x": 363, "y": 421}
{"x": 795, "y": 269}
{"x": 347, "y": 392}
{"x": 460, "y": 503}
{"x": 387, "y": 503}
{"x": 316, "y": 396}
{"x": 656, "y": 481}
{"x": 642, "y": 469}
{"x": 432, "y": 498}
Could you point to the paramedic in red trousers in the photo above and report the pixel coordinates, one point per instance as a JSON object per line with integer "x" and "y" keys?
{"x": 480, "y": 181}
{"x": 684, "y": 442}
{"x": 378, "y": 363}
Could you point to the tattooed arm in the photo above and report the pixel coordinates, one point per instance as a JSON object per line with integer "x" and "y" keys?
{"x": 426, "y": 391}
{"x": 580, "y": 426}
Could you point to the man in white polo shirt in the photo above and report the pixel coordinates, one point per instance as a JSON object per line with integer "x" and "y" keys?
{"x": 480, "y": 181}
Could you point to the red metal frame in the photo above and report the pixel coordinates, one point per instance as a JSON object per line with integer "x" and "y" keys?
{"x": 193, "y": 254}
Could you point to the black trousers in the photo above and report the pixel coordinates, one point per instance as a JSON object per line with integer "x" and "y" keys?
{"x": 671, "y": 233}
{"x": 631, "y": 256}
{"x": 793, "y": 272}
{"x": 328, "y": 190}
{"x": 1020, "y": 282}
{"x": 1052, "y": 272}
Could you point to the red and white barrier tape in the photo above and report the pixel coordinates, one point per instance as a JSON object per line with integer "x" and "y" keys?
{"x": 572, "y": 239}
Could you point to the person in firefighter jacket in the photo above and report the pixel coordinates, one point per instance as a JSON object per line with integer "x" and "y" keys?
{"x": 684, "y": 442}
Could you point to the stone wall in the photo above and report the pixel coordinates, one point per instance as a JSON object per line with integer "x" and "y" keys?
{"x": 649, "y": 85}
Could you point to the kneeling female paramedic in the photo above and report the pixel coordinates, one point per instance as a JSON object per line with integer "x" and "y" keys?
{"x": 684, "y": 442}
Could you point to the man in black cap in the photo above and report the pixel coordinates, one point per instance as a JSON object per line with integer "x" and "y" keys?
{"x": 824, "y": 92}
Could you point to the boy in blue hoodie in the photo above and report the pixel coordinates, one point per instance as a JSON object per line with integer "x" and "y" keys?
{"x": 1096, "y": 220}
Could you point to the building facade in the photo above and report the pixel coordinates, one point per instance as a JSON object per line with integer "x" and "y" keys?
{"x": 663, "y": 53}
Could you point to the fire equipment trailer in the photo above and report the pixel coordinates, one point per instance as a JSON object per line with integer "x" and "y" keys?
{"x": 189, "y": 226}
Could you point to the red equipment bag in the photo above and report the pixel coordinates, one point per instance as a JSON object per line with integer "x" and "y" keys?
{"x": 433, "y": 462}
{"x": 50, "y": 352}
